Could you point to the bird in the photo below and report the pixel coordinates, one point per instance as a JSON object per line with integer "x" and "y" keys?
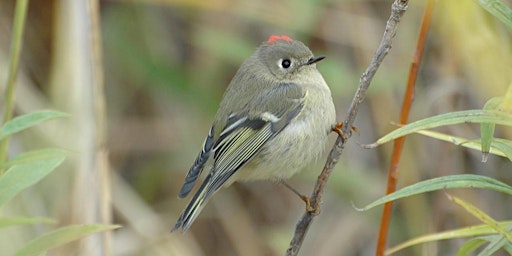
{"x": 274, "y": 119}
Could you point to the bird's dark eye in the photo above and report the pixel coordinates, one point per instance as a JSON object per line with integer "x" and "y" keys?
{"x": 286, "y": 63}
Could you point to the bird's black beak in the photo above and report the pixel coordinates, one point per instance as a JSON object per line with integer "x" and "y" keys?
{"x": 315, "y": 60}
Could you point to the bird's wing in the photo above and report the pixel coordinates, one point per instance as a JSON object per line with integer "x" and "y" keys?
{"x": 246, "y": 133}
{"x": 198, "y": 165}
{"x": 242, "y": 137}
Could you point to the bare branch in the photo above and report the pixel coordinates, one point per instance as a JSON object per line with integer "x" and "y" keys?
{"x": 397, "y": 10}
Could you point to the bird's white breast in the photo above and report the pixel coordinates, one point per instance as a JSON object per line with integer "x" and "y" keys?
{"x": 300, "y": 143}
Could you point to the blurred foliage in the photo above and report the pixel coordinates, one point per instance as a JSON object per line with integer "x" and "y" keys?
{"x": 166, "y": 65}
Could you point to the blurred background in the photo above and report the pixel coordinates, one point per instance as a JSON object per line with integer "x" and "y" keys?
{"x": 142, "y": 110}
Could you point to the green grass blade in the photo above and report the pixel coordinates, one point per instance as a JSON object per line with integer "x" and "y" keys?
{"x": 482, "y": 216}
{"x": 19, "y": 177}
{"x": 449, "y": 234}
{"x": 20, "y": 14}
{"x": 487, "y": 129}
{"x": 25, "y": 121}
{"x": 496, "y": 243}
{"x": 505, "y": 146}
{"x": 34, "y": 155}
{"x": 498, "y": 9}
{"x": 467, "y": 116}
{"x": 508, "y": 248}
{"x": 445, "y": 182}
{"x": 499, "y": 147}
{"x": 472, "y": 245}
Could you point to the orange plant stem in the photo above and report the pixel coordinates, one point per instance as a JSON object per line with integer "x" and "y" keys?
{"x": 393, "y": 170}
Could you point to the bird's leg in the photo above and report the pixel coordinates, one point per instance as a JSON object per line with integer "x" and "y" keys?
{"x": 337, "y": 128}
{"x": 309, "y": 208}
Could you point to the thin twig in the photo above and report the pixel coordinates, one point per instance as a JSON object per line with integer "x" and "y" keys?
{"x": 404, "y": 116}
{"x": 20, "y": 14}
{"x": 397, "y": 10}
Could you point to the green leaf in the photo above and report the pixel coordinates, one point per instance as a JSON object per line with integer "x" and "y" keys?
{"x": 59, "y": 237}
{"x": 496, "y": 243}
{"x": 499, "y": 147}
{"x": 34, "y": 155}
{"x": 471, "y": 245}
{"x": 498, "y": 9}
{"x": 487, "y": 129}
{"x": 466, "y": 116}
{"x": 19, "y": 177}
{"x": 508, "y": 248}
{"x": 448, "y": 234}
{"x": 505, "y": 146}
{"x": 25, "y": 121}
{"x": 445, "y": 182}
{"x": 482, "y": 216}
{"x": 5, "y": 222}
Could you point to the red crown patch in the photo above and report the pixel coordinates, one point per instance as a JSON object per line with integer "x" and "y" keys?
{"x": 273, "y": 38}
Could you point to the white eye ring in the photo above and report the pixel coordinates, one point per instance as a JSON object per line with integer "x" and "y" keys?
{"x": 284, "y": 63}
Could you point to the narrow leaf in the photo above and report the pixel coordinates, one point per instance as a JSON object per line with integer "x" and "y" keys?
{"x": 466, "y": 116}
{"x": 496, "y": 243}
{"x": 34, "y": 155}
{"x": 487, "y": 129}
{"x": 499, "y": 10}
{"x": 449, "y": 234}
{"x": 505, "y": 146}
{"x": 508, "y": 248}
{"x": 25, "y": 121}
{"x": 445, "y": 182}
{"x": 470, "y": 246}
{"x": 499, "y": 147}
{"x": 19, "y": 177}
{"x": 482, "y": 216}
{"x": 59, "y": 237}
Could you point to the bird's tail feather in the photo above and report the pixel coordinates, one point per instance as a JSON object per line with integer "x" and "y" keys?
{"x": 195, "y": 206}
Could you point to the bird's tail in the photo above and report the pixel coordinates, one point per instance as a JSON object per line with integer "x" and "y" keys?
{"x": 195, "y": 206}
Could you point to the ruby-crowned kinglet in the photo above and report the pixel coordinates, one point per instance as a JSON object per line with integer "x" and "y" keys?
{"x": 273, "y": 120}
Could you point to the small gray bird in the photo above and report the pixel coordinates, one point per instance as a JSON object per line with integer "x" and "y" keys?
{"x": 273, "y": 120}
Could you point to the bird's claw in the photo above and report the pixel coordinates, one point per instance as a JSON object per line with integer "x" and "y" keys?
{"x": 309, "y": 208}
{"x": 338, "y": 128}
